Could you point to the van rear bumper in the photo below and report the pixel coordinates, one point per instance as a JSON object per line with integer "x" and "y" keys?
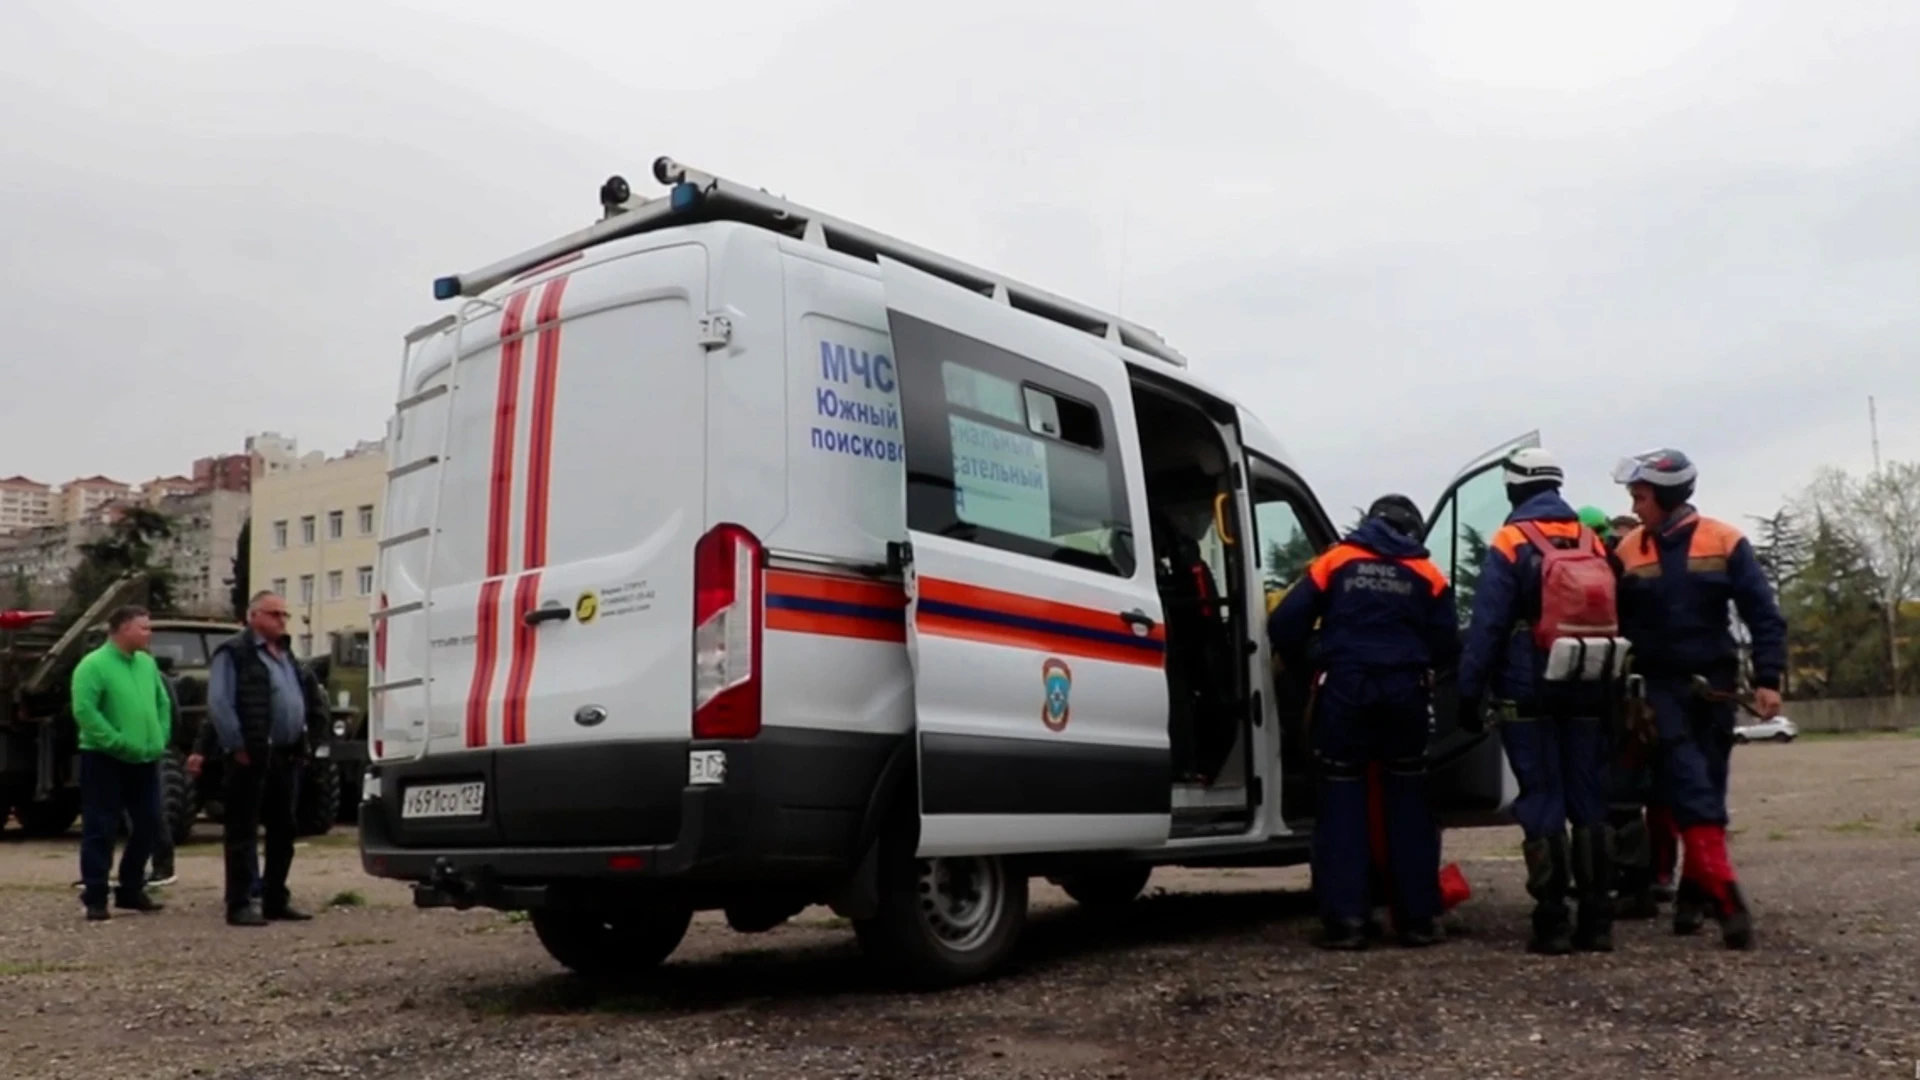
{"x": 793, "y": 807}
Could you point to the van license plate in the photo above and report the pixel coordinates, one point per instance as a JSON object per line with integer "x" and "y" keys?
{"x": 444, "y": 800}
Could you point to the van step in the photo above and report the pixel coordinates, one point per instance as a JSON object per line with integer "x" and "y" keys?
{"x": 407, "y": 537}
{"x": 397, "y": 684}
{"x": 413, "y": 466}
{"x": 407, "y": 608}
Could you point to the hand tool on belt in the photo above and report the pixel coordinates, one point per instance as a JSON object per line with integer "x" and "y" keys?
{"x": 1704, "y": 690}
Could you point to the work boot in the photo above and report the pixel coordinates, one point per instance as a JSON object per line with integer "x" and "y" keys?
{"x": 246, "y": 916}
{"x": 138, "y": 901}
{"x": 1592, "y": 871}
{"x": 1343, "y": 935}
{"x": 1547, "y": 883}
{"x": 1689, "y": 908}
{"x": 1421, "y": 933}
{"x": 98, "y": 912}
{"x": 1736, "y": 919}
{"x": 286, "y": 913}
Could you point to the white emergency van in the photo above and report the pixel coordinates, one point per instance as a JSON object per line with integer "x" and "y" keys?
{"x": 739, "y": 557}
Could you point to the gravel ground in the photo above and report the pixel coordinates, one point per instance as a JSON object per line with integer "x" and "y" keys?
{"x": 1211, "y": 976}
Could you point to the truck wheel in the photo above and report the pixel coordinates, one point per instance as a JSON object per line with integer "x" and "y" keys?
{"x": 600, "y": 945}
{"x": 318, "y": 805}
{"x": 176, "y": 798}
{"x": 50, "y": 817}
{"x": 1107, "y": 888}
{"x": 942, "y": 922}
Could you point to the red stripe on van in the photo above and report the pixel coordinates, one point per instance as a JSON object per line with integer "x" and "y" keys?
{"x": 505, "y": 413}
{"x": 513, "y": 721}
{"x": 499, "y": 514}
{"x": 526, "y": 594}
{"x": 540, "y": 445}
{"x": 486, "y": 655}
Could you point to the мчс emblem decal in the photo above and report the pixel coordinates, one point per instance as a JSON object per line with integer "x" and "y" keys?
{"x": 1058, "y": 680}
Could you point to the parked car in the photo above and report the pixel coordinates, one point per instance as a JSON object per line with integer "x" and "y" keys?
{"x": 1778, "y": 729}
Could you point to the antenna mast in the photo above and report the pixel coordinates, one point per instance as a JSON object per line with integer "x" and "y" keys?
{"x": 1873, "y": 426}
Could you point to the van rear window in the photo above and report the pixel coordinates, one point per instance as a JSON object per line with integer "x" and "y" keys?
{"x": 1008, "y": 453}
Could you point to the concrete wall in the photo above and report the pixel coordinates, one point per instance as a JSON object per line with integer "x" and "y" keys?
{"x": 1855, "y": 714}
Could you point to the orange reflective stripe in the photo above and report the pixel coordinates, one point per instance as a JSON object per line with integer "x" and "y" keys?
{"x": 1336, "y": 557}
{"x": 1713, "y": 540}
{"x": 1511, "y": 538}
{"x": 1428, "y": 572}
{"x": 1638, "y": 557}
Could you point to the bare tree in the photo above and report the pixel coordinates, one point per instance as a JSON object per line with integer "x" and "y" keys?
{"x": 1880, "y": 515}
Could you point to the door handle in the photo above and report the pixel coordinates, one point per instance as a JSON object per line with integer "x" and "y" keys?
{"x": 547, "y": 613}
{"x": 1138, "y": 619}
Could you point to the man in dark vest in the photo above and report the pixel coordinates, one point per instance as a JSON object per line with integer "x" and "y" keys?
{"x": 258, "y": 706}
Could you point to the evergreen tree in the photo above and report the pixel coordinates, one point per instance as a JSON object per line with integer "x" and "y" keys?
{"x": 128, "y": 547}
{"x": 240, "y": 588}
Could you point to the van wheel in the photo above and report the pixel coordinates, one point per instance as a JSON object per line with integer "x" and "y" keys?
{"x": 1107, "y": 888}
{"x": 943, "y": 922}
{"x": 601, "y": 945}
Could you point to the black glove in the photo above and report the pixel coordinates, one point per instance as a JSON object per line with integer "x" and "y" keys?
{"x": 1471, "y": 716}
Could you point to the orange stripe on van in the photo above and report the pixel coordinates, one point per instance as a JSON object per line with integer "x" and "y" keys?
{"x": 499, "y": 508}
{"x": 526, "y": 594}
{"x": 990, "y": 616}
{"x": 831, "y": 605}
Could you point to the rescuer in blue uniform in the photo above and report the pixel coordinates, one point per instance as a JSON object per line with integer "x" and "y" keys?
{"x": 1555, "y": 735}
{"x": 1679, "y": 572}
{"x": 1386, "y": 620}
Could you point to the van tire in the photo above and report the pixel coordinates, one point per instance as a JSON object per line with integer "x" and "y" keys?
{"x": 1107, "y": 888}
{"x": 942, "y": 922}
{"x": 602, "y": 946}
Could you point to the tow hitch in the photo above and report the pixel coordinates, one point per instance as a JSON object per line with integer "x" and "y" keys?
{"x": 447, "y": 887}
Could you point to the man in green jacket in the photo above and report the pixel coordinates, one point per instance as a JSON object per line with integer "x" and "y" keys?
{"x": 124, "y": 714}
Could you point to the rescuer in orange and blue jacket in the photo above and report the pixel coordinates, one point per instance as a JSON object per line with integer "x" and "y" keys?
{"x": 1386, "y": 621}
{"x": 1679, "y": 573}
{"x": 1556, "y": 736}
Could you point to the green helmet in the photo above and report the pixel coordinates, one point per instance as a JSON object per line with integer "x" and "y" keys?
{"x": 1596, "y": 519}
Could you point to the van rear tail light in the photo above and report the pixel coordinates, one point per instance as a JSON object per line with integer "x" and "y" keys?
{"x": 726, "y": 634}
{"x": 376, "y": 708}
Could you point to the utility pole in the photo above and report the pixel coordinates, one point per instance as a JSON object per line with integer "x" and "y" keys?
{"x": 1873, "y": 428}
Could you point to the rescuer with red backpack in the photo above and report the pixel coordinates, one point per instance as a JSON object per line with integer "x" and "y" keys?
{"x": 1546, "y": 577}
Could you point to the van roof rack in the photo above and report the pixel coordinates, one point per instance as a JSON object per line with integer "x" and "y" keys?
{"x": 696, "y": 196}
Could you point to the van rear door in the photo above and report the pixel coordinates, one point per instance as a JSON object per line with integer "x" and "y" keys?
{"x": 572, "y": 493}
{"x": 1472, "y": 783}
{"x": 1035, "y": 626}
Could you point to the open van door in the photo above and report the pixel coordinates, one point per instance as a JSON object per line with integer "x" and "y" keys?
{"x": 1033, "y": 619}
{"x": 1472, "y": 783}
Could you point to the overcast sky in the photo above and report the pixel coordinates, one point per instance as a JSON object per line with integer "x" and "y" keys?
{"x": 1398, "y": 232}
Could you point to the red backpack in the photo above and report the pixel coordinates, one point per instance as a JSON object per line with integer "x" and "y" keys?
{"x": 1576, "y": 589}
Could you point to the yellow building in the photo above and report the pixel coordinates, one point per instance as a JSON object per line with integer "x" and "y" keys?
{"x": 315, "y": 531}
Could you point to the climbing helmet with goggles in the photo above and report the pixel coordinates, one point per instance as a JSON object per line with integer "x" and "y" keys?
{"x": 1661, "y": 468}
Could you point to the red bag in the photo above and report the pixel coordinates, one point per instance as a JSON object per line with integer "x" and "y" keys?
{"x": 1576, "y": 589}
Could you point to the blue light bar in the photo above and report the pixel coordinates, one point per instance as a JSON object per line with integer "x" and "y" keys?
{"x": 446, "y": 288}
{"x": 686, "y": 196}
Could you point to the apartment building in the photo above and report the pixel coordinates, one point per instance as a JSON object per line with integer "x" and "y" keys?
{"x": 82, "y": 500}
{"x": 36, "y": 563}
{"x": 201, "y": 549}
{"x": 315, "y": 531}
{"x": 161, "y": 488}
{"x": 25, "y": 504}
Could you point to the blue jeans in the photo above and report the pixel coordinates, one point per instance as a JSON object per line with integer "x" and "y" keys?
{"x": 110, "y": 788}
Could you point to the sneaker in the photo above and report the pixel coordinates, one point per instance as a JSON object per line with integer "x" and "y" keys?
{"x": 161, "y": 881}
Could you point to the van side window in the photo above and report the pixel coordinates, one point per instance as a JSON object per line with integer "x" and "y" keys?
{"x": 1008, "y": 453}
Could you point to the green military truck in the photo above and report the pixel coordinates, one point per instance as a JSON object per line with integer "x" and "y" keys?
{"x": 344, "y": 674}
{"x": 39, "y": 743}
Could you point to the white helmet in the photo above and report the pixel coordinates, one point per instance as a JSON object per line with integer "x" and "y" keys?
{"x": 1533, "y": 466}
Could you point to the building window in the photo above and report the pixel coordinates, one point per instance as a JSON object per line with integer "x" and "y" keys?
{"x": 336, "y": 584}
{"x": 280, "y": 587}
{"x": 336, "y": 524}
{"x": 306, "y": 588}
{"x": 280, "y": 535}
{"x": 307, "y": 529}
{"x": 366, "y": 521}
{"x": 366, "y": 581}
